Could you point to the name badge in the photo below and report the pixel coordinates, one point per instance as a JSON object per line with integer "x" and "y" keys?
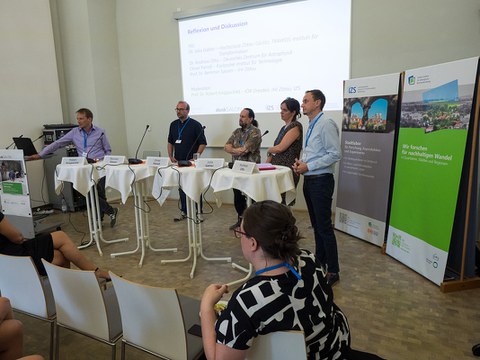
{"x": 156, "y": 161}
{"x": 74, "y": 160}
{"x": 244, "y": 167}
{"x": 179, "y": 141}
{"x": 114, "y": 160}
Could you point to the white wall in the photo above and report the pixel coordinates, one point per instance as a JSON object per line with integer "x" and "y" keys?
{"x": 29, "y": 91}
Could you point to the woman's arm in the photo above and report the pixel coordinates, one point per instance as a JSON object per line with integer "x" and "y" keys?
{"x": 287, "y": 140}
{"x": 10, "y": 232}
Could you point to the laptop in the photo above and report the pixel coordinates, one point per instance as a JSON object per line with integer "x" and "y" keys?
{"x": 25, "y": 144}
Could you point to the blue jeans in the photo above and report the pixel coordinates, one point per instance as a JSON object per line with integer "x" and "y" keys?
{"x": 318, "y": 192}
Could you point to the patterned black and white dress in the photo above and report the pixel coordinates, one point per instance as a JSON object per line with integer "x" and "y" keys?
{"x": 265, "y": 304}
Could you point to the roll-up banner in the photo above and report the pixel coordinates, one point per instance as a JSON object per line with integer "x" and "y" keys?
{"x": 368, "y": 130}
{"x": 435, "y": 117}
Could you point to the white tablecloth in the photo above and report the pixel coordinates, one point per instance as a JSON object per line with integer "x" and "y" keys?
{"x": 264, "y": 185}
{"x": 83, "y": 177}
{"x": 122, "y": 177}
{"x": 192, "y": 180}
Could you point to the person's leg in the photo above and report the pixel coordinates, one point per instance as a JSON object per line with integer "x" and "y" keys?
{"x": 65, "y": 252}
{"x": 320, "y": 197}
{"x": 240, "y": 202}
{"x": 308, "y": 194}
{"x": 183, "y": 201}
{"x": 105, "y": 207}
{"x": 11, "y": 332}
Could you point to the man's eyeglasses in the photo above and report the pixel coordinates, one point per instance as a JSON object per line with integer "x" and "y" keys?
{"x": 177, "y": 109}
{"x": 238, "y": 234}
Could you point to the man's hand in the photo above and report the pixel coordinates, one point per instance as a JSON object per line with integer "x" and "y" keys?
{"x": 300, "y": 167}
{"x": 33, "y": 157}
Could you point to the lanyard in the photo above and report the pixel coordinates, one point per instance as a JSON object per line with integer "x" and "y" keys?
{"x": 85, "y": 136}
{"x": 311, "y": 126}
{"x": 180, "y": 131}
{"x": 244, "y": 136}
{"x": 279, "y": 266}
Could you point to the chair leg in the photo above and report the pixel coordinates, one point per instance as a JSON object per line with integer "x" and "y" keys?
{"x": 52, "y": 339}
{"x": 57, "y": 342}
{"x": 114, "y": 351}
{"x": 123, "y": 350}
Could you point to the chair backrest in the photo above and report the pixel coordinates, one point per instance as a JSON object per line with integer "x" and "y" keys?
{"x": 81, "y": 303}
{"x": 22, "y": 284}
{"x": 152, "y": 318}
{"x": 279, "y": 345}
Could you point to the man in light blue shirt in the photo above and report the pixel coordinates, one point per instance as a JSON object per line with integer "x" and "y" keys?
{"x": 91, "y": 142}
{"x": 320, "y": 153}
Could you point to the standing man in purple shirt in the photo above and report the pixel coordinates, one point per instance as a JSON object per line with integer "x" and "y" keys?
{"x": 91, "y": 142}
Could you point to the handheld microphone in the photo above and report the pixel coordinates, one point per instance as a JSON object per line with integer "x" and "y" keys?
{"x": 265, "y": 133}
{"x": 186, "y": 162}
{"x": 91, "y": 161}
{"x": 136, "y": 160}
{"x": 13, "y": 143}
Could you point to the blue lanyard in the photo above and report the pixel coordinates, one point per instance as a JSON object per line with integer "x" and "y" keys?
{"x": 244, "y": 136}
{"x": 311, "y": 126}
{"x": 279, "y": 266}
{"x": 180, "y": 131}
{"x": 85, "y": 136}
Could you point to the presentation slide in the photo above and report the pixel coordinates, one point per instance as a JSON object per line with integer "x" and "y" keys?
{"x": 257, "y": 57}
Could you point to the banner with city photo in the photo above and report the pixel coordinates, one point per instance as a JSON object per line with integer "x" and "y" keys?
{"x": 368, "y": 131}
{"x": 435, "y": 118}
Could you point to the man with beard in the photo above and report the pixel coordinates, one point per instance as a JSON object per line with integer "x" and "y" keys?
{"x": 244, "y": 144}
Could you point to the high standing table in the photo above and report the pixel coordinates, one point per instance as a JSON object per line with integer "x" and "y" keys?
{"x": 192, "y": 181}
{"x": 84, "y": 179}
{"x": 264, "y": 185}
{"x": 134, "y": 178}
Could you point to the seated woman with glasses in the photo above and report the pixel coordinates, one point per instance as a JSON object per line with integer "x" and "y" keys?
{"x": 289, "y": 292}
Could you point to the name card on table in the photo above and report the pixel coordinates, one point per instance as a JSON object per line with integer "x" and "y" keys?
{"x": 245, "y": 167}
{"x": 161, "y": 162}
{"x": 206, "y": 163}
{"x": 74, "y": 160}
{"x": 114, "y": 160}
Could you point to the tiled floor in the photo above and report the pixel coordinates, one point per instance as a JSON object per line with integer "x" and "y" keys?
{"x": 392, "y": 311}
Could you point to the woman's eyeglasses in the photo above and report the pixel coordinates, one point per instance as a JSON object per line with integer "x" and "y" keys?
{"x": 238, "y": 234}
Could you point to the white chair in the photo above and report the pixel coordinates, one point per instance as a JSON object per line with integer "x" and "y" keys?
{"x": 29, "y": 293}
{"x": 155, "y": 320}
{"x": 279, "y": 345}
{"x": 84, "y": 306}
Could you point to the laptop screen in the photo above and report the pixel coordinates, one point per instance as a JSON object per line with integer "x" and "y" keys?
{"x": 25, "y": 144}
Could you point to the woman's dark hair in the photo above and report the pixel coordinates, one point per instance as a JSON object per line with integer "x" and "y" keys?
{"x": 273, "y": 226}
{"x": 293, "y": 106}
{"x": 251, "y": 115}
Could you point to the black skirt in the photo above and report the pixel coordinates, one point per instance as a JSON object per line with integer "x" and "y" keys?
{"x": 40, "y": 247}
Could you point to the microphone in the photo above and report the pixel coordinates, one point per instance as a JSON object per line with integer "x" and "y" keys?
{"x": 186, "y": 162}
{"x": 265, "y": 133}
{"x": 91, "y": 161}
{"x": 13, "y": 143}
{"x": 136, "y": 160}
